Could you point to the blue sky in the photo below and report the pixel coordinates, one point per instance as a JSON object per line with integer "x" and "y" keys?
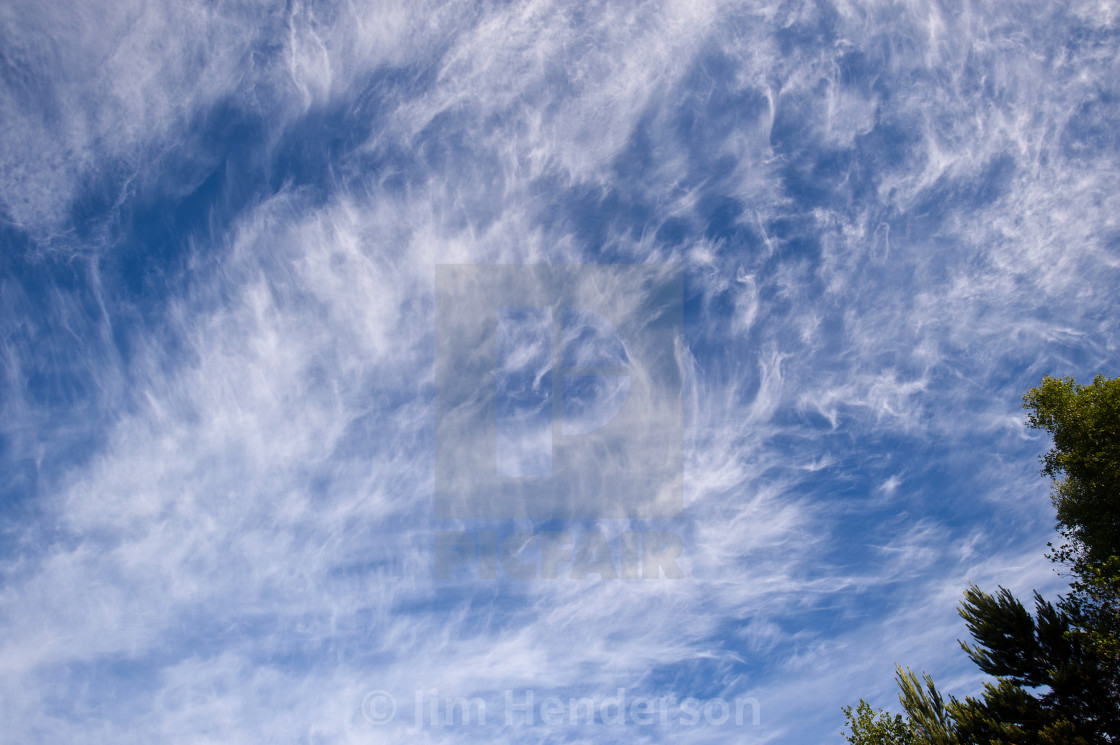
{"x": 220, "y": 225}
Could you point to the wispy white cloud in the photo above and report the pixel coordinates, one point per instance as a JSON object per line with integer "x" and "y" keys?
{"x": 891, "y": 219}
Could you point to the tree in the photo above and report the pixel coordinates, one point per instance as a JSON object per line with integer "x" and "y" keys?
{"x": 876, "y": 728}
{"x": 1056, "y": 673}
{"x": 928, "y": 718}
{"x": 1084, "y": 466}
{"x": 1050, "y": 686}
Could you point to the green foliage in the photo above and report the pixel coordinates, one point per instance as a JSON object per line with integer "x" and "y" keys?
{"x": 1084, "y": 465}
{"x": 1049, "y": 687}
{"x": 1070, "y": 696}
{"x": 928, "y": 717}
{"x": 876, "y": 728}
{"x": 1084, "y": 462}
{"x": 1056, "y": 674}
{"x": 1095, "y": 602}
{"x": 1005, "y": 634}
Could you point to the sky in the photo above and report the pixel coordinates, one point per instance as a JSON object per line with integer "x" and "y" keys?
{"x": 368, "y": 367}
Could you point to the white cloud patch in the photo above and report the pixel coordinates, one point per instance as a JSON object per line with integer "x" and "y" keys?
{"x": 891, "y": 220}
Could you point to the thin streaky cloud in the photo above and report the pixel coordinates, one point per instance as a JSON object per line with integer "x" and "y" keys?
{"x": 220, "y": 224}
